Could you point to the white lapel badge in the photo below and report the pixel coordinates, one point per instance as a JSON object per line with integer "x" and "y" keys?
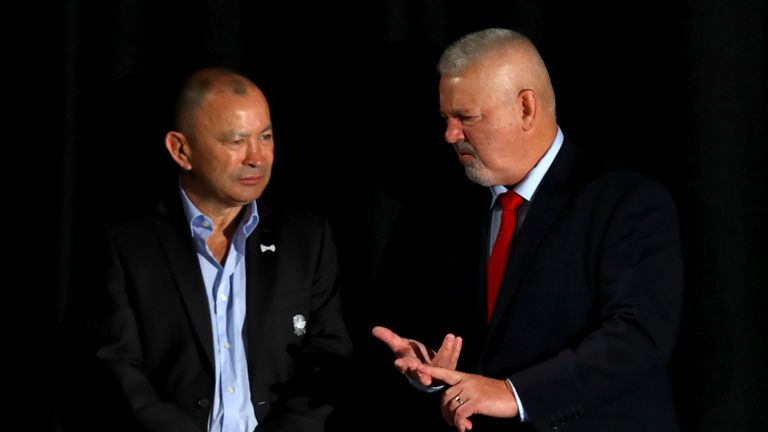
{"x": 299, "y": 324}
{"x": 265, "y": 248}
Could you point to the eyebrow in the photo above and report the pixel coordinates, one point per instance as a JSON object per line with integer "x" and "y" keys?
{"x": 232, "y": 134}
{"x": 459, "y": 112}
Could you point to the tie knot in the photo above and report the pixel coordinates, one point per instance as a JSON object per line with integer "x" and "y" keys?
{"x": 510, "y": 201}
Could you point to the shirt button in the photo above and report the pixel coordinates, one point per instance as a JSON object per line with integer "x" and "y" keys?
{"x": 230, "y": 389}
{"x": 223, "y": 297}
{"x": 227, "y": 345}
{"x": 206, "y": 223}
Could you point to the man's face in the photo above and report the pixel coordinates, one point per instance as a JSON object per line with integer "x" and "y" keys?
{"x": 231, "y": 148}
{"x": 482, "y": 123}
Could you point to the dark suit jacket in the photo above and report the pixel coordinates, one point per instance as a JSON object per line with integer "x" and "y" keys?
{"x": 154, "y": 328}
{"x": 588, "y": 309}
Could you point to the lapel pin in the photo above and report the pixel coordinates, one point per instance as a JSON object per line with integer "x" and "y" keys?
{"x": 299, "y": 324}
{"x": 265, "y": 248}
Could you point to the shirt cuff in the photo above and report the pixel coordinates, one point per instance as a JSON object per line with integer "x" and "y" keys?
{"x": 520, "y": 409}
{"x": 422, "y": 387}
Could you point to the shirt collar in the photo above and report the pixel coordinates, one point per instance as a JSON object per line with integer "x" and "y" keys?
{"x": 195, "y": 218}
{"x": 530, "y": 183}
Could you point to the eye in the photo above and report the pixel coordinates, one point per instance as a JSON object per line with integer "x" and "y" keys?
{"x": 266, "y": 136}
{"x": 464, "y": 119}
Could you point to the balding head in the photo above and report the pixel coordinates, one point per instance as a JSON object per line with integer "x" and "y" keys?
{"x": 202, "y": 84}
{"x": 505, "y": 51}
{"x": 224, "y": 143}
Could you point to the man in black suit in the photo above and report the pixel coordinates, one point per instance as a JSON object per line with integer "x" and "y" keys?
{"x": 219, "y": 313}
{"x": 589, "y": 292}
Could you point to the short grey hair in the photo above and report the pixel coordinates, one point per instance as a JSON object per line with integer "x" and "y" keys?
{"x": 474, "y": 46}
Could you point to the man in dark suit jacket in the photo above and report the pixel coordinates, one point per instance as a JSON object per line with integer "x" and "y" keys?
{"x": 589, "y": 299}
{"x": 220, "y": 314}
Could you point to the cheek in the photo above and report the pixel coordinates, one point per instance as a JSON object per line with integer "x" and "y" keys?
{"x": 490, "y": 147}
{"x": 478, "y": 139}
{"x": 231, "y": 159}
{"x": 267, "y": 157}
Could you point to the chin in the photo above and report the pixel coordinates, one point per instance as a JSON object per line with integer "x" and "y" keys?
{"x": 253, "y": 196}
{"x": 478, "y": 177}
{"x": 246, "y": 198}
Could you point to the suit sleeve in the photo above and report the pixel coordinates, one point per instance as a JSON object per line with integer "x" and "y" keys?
{"x": 119, "y": 350}
{"x": 638, "y": 292}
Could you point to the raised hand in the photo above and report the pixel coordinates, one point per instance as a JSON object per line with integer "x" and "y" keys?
{"x": 411, "y": 354}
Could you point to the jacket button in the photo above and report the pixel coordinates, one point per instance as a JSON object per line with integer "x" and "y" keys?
{"x": 203, "y": 403}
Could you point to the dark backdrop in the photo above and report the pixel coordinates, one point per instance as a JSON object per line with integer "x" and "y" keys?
{"x": 673, "y": 88}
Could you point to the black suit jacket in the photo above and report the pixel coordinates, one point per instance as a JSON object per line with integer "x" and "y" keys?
{"x": 154, "y": 331}
{"x": 588, "y": 309}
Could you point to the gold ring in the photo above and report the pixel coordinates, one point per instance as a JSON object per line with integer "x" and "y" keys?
{"x": 459, "y": 400}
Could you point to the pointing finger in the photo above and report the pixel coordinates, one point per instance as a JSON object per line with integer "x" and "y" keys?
{"x": 450, "y": 377}
{"x": 393, "y": 341}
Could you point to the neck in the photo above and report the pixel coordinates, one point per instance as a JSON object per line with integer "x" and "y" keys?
{"x": 224, "y": 217}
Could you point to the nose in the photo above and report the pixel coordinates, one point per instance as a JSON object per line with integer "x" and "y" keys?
{"x": 255, "y": 154}
{"x": 453, "y": 131}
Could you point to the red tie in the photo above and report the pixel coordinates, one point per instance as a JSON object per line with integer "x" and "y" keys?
{"x": 509, "y": 202}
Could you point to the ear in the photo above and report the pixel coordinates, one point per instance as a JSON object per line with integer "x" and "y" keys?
{"x": 529, "y": 106}
{"x": 178, "y": 146}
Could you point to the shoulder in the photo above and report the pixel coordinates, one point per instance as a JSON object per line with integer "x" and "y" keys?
{"x": 626, "y": 202}
{"x": 623, "y": 185}
{"x": 130, "y": 223}
{"x": 289, "y": 220}
{"x": 288, "y": 215}
{"x": 600, "y": 192}
{"x": 621, "y": 181}
{"x": 141, "y": 226}
{"x": 597, "y": 178}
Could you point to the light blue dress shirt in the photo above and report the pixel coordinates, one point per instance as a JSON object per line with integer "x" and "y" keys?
{"x": 232, "y": 410}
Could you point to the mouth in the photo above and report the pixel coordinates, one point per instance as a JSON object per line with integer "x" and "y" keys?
{"x": 251, "y": 180}
{"x": 465, "y": 152}
{"x": 465, "y": 156}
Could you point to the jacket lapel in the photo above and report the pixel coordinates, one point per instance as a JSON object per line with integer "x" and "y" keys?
{"x": 260, "y": 283}
{"x": 176, "y": 241}
{"x": 551, "y": 196}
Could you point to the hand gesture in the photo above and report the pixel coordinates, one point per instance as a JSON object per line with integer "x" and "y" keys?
{"x": 411, "y": 354}
{"x": 471, "y": 394}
